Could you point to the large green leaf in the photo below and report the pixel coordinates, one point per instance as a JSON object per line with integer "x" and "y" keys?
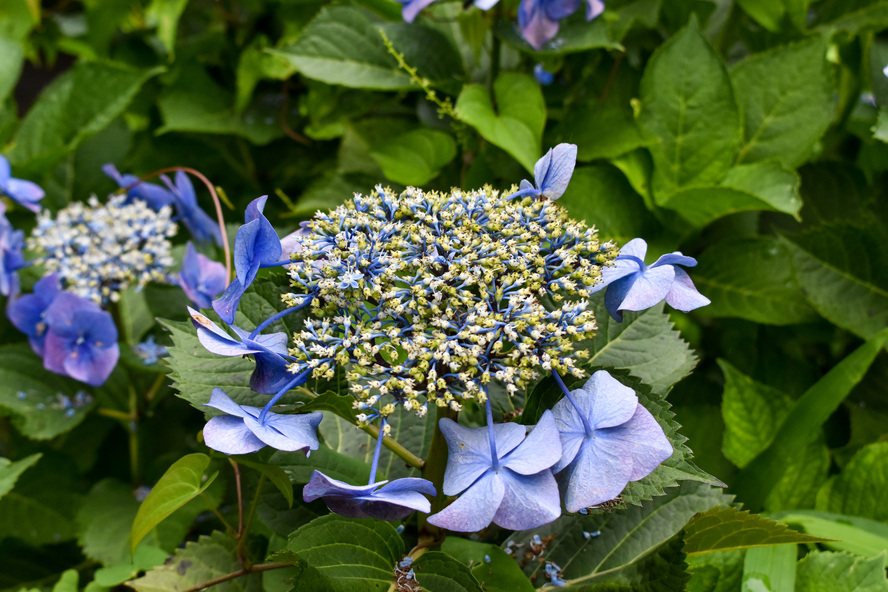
{"x": 724, "y": 529}
{"x": 75, "y": 106}
{"x": 752, "y": 412}
{"x": 197, "y": 563}
{"x": 769, "y": 569}
{"x": 343, "y": 45}
{"x": 166, "y": 13}
{"x": 10, "y": 65}
{"x": 688, "y": 110}
{"x": 38, "y": 400}
{"x": 597, "y": 548}
{"x": 848, "y": 533}
{"x": 752, "y": 278}
{"x": 721, "y": 571}
{"x": 830, "y": 571}
{"x": 492, "y": 567}
{"x": 859, "y": 490}
{"x": 600, "y": 131}
{"x": 786, "y": 98}
{"x": 645, "y": 343}
{"x": 10, "y": 471}
{"x": 415, "y": 157}
{"x": 347, "y": 555}
{"x": 516, "y": 123}
{"x": 804, "y": 421}
{"x": 438, "y": 572}
{"x": 842, "y": 269}
{"x": 856, "y": 17}
{"x": 181, "y": 483}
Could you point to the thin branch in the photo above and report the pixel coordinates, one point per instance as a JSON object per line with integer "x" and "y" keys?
{"x": 398, "y": 449}
{"x": 237, "y": 574}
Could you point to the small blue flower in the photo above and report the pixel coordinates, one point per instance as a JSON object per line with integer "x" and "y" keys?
{"x": 28, "y": 313}
{"x": 607, "y": 439}
{"x": 552, "y": 173}
{"x": 256, "y": 244}
{"x": 244, "y": 429}
{"x": 553, "y": 572}
{"x": 81, "y": 341}
{"x": 538, "y": 19}
{"x": 513, "y": 488}
{"x": 271, "y": 371}
{"x": 149, "y": 351}
{"x": 12, "y": 257}
{"x": 202, "y": 228}
{"x": 543, "y": 76}
{"x": 413, "y": 7}
{"x": 154, "y": 195}
{"x": 382, "y": 500}
{"x": 632, "y": 285}
{"x": 24, "y": 192}
{"x": 201, "y": 278}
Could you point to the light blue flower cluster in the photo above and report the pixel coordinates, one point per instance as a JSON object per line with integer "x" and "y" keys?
{"x": 98, "y": 250}
{"x": 427, "y": 298}
{"x": 537, "y": 19}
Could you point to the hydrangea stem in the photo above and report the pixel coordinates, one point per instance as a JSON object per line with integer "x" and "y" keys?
{"x": 586, "y": 425}
{"x": 379, "y": 440}
{"x": 433, "y": 470}
{"x": 277, "y": 316}
{"x": 396, "y": 448}
{"x": 494, "y": 457}
{"x": 300, "y": 378}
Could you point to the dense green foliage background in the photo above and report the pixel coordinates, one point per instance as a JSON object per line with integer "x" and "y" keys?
{"x": 749, "y": 134}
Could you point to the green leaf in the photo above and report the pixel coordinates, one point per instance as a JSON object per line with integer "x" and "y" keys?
{"x": 438, "y": 572}
{"x": 343, "y": 46}
{"x": 68, "y": 582}
{"x": 181, "y": 483}
{"x": 802, "y": 477}
{"x": 752, "y": 278}
{"x": 348, "y": 555}
{"x": 11, "y": 64}
{"x": 880, "y": 130}
{"x": 516, "y": 125}
{"x": 78, "y": 104}
{"x": 416, "y": 157}
{"x": 645, "y": 343}
{"x": 769, "y": 569}
{"x": 842, "y": 269}
{"x": 600, "y": 131}
{"x": 822, "y": 181}
{"x": 36, "y": 398}
{"x": 492, "y": 567}
{"x": 758, "y": 186}
{"x": 786, "y": 97}
{"x": 602, "y": 196}
{"x": 199, "y": 562}
{"x": 721, "y": 571}
{"x": 193, "y": 102}
{"x": 752, "y": 412}
{"x": 10, "y": 471}
{"x": 662, "y": 570}
{"x": 865, "y": 16}
{"x": 828, "y": 571}
{"x": 859, "y": 490}
{"x": 688, "y": 110}
{"x": 256, "y": 63}
{"x": 723, "y": 529}
{"x": 621, "y": 539}
{"x": 849, "y": 533}
{"x": 166, "y": 14}
{"x": 803, "y": 422}
{"x": 275, "y": 474}
{"x": 767, "y": 13}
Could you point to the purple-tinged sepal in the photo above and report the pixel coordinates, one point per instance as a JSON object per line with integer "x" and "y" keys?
{"x": 607, "y": 440}
{"x": 551, "y": 173}
{"x": 154, "y": 195}
{"x": 201, "y": 278}
{"x": 382, "y": 500}
{"x": 241, "y": 432}
{"x": 26, "y": 193}
{"x": 203, "y": 229}
{"x": 28, "y": 313}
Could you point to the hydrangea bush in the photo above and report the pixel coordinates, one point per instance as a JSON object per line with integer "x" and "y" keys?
{"x": 407, "y": 295}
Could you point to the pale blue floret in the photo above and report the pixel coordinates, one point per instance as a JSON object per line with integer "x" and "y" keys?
{"x": 150, "y": 351}
{"x": 201, "y": 278}
{"x": 26, "y": 193}
{"x": 246, "y": 429}
{"x": 607, "y": 439}
{"x": 551, "y": 173}
{"x": 505, "y": 480}
{"x": 632, "y": 285}
{"x": 543, "y": 76}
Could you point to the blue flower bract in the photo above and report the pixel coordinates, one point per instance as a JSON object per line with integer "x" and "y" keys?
{"x": 552, "y": 173}
{"x": 24, "y": 192}
{"x": 154, "y": 195}
{"x": 383, "y": 500}
{"x": 201, "y": 278}
{"x": 615, "y": 441}
{"x": 203, "y": 228}
{"x": 538, "y": 19}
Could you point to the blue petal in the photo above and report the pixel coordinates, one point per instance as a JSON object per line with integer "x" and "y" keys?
{"x": 596, "y": 475}
{"x": 92, "y": 365}
{"x": 413, "y": 8}
{"x": 537, "y": 29}
{"x": 650, "y": 287}
{"x": 612, "y": 273}
{"x": 392, "y": 501}
{"x": 215, "y": 340}
{"x": 221, "y": 401}
{"x": 229, "y": 435}
{"x": 25, "y": 192}
{"x": 272, "y": 373}
{"x": 642, "y": 440}
{"x": 594, "y": 8}
{"x": 675, "y": 258}
{"x": 287, "y": 432}
{"x": 684, "y": 295}
{"x": 529, "y": 500}
{"x": 540, "y": 449}
{"x": 475, "y": 508}
{"x": 560, "y": 169}
{"x": 559, "y": 9}
{"x": 469, "y": 451}
{"x": 226, "y": 305}
{"x": 320, "y": 485}
{"x": 606, "y": 401}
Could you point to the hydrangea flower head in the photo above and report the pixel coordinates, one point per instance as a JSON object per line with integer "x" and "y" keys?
{"x": 538, "y": 19}
{"x": 201, "y": 278}
{"x": 26, "y": 193}
{"x": 154, "y": 195}
{"x": 246, "y": 429}
{"x": 608, "y": 439}
{"x": 28, "y": 313}
{"x": 81, "y": 341}
{"x": 382, "y": 500}
{"x": 203, "y": 229}
{"x": 508, "y": 483}
{"x": 255, "y": 244}
{"x": 632, "y": 285}
{"x": 98, "y": 250}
